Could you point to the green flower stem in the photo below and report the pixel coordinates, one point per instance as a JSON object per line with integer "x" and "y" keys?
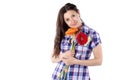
{"x": 60, "y": 75}
{"x": 65, "y": 70}
{"x": 64, "y": 73}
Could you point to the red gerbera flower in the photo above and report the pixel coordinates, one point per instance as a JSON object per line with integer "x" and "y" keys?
{"x": 82, "y": 38}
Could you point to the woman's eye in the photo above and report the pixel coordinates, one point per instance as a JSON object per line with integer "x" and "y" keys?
{"x": 67, "y": 19}
{"x": 73, "y": 15}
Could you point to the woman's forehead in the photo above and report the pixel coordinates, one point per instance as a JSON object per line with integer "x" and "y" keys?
{"x": 69, "y": 13}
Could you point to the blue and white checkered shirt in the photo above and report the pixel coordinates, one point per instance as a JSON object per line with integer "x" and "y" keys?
{"x": 78, "y": 72}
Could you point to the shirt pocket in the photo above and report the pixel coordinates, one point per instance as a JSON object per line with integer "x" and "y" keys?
{"x": 82, "y": 52}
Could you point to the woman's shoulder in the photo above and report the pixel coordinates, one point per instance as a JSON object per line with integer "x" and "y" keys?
{"x": 89, "y": 30}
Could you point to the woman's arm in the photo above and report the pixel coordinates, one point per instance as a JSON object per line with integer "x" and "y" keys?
{"x": 97, "y": 60}
{"x": 55, "y": 59}
{"x": 61, "y": 56}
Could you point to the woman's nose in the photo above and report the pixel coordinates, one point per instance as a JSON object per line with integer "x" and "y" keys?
{"x": 72, "y": 21}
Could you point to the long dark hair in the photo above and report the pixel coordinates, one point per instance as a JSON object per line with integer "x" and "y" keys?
{"x": 61, "y": 26}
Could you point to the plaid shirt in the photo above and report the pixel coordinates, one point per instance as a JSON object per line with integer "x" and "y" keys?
{"x": 78, "y": 72}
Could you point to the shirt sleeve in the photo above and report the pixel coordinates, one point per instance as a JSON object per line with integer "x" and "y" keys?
{"x": 95, "y": 39}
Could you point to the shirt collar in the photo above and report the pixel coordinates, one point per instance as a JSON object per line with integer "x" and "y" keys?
{"x": 85, "y": 29}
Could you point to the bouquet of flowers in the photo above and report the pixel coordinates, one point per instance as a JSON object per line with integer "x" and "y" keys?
{"x": 81, "y": 38}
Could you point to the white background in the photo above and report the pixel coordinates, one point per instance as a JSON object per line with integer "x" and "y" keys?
{"x": 27, "y": 30}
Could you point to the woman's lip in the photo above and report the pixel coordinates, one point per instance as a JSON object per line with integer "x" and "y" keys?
{"x": 73, "y": 25}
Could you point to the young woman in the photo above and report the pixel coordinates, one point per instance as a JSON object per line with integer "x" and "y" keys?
{"x": 77, "y": 60}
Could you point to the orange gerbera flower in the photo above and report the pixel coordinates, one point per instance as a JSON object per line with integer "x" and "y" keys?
{"x": 71, "y": 31}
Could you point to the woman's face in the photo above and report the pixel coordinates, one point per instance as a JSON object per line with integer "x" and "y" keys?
{"x": 72, "y": 19}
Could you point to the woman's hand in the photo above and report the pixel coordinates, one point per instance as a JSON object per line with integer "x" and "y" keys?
{"x": 67, "y": 54}
{"x": 68, "y": 57}
{"x": 61, "y": 56}
{"x": 69, "y": 60}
